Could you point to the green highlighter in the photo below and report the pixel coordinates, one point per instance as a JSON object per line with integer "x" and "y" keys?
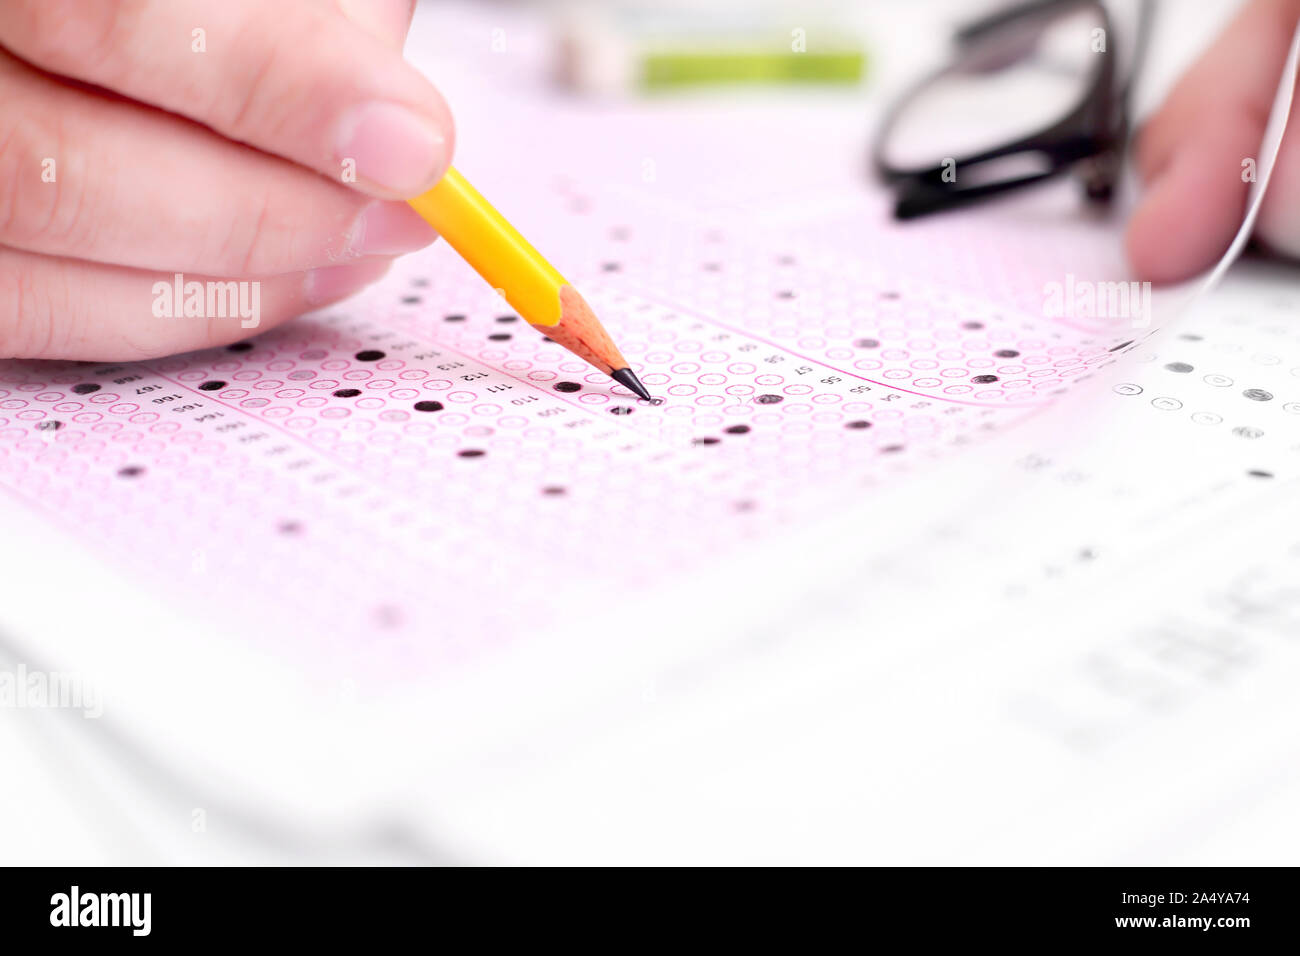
{"x": 666, "y": 69}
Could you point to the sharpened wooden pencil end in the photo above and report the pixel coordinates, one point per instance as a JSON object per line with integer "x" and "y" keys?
{"x": 581, "y": 333}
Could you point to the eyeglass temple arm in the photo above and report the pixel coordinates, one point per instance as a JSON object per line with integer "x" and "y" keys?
{"x": 915, "y": 199}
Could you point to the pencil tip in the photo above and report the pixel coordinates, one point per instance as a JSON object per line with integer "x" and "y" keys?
{"x": 627, "y": 378}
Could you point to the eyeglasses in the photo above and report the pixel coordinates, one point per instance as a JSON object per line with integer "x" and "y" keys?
{"x": 1033, "y": 92}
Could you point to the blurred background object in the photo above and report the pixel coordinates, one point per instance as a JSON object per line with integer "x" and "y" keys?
{"x": 634, "y": 46}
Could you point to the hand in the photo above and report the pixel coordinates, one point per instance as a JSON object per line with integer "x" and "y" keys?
{"x": 214, "y": 138}
{"x": 1190, "y": 154}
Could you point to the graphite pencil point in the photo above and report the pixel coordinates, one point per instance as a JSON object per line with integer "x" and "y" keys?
{"x": 627, "y": 378}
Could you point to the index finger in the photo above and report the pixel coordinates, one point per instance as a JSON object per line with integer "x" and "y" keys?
{"x": 296, "y": 78}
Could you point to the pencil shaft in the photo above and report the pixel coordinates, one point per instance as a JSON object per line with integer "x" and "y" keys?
{"x": 494, "y": 248}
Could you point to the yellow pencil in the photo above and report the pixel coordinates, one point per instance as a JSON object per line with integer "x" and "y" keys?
{"x": 503, "y": 257}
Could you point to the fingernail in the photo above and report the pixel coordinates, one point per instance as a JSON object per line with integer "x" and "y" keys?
{"x": 332, "y": 283}
{"x": 389, "y": 229}
{"x": 393, "y": 147}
